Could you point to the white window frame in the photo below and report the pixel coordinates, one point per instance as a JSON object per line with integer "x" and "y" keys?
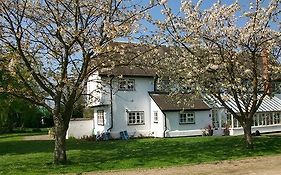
{"x": 185, "y": 118}
{"x": 126, "y": 85}
{"x": 215, "y": 118}
{"x": 135, "y": 118}
{"x": 267, "y": 118}
{"x": 100, "y": 117}
{"x": 277, "y": 118}
{"x": 155, "y": 117}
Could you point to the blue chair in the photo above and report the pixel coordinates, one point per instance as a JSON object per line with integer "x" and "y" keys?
{"x": 124, "y": 135}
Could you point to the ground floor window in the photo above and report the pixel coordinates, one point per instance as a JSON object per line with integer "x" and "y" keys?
{"x": 236, "y": 123}
{"x": 262, "y": 119}
{"x": 100, "y": 119}
{"x": 228, "y": 122}
{"x": 267, "y": 118}
{"x": 187, "y": 118}
{"x": 136, "y": 118}
{"x": 215, "y": 118}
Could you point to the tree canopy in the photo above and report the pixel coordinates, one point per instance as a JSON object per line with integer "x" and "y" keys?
{"x": 53, "y": 46}
{"x": 224, "y": 50}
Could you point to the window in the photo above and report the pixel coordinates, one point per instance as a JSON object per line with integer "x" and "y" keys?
{"x": 187, "y": 118}
{"x": 155, "y": 114}
{"x": 136, "y": 118}
{"x": 126, "y": 85}
{"x": 215, "y": 118}
{"x": 276, "y": 118}
{"x": 228, "y": 120}
{"x": 100, "y": 120}
{"x": 235, "y": 123}
{"x": 269, "y": 119}
{"x": 256, "y": 120}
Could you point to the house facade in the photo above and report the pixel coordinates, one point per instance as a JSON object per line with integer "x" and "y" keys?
{"x": 121, "y": 101}
{"x": 174, "y": 119}
{"x": 126, "y": 99}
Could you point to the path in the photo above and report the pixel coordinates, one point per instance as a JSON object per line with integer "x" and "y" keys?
{"x": 38, "y": 137}
{"x": 270, "y": 165}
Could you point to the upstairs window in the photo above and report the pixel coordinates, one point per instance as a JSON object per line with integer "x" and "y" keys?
{"x": 155, "y": 114}
{"x": 187, "y": 118}
{"x": 136, "y": 118}
{"x": 126, "y": 85}
{"x": 100, "y": 118}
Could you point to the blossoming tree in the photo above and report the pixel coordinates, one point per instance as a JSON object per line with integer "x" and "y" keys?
{"x": 54, "y": 45}
{"x": 224, "y": 50}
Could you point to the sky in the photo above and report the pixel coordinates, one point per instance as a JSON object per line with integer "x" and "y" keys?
{"x": 175, "y": 5}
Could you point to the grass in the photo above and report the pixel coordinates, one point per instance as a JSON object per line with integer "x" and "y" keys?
{"x": 35, "y": 157}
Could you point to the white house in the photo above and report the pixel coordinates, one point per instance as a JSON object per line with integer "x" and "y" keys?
{"x": 171, "y": 119}
{"x": 121, "y": 101}
{"x": 124, "y": 99}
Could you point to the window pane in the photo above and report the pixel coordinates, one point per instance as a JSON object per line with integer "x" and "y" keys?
{"x": 131, "y": 84}
{"x": 100, "y": 117}
{"x": 122, "y": 84}
{"x": 136, "y": 117}
{"x": 126, "y": 85}
{"x": 155, "y": 116}
{"x": 187, "y": 118}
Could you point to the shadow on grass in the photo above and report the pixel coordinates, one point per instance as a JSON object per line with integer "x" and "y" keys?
{"x": 25, "y": 147}
{"x": 93, "y": 156}
{"x": 168, "y": 152}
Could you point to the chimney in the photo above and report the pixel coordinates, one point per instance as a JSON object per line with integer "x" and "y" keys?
{"x": 265, "y": 66}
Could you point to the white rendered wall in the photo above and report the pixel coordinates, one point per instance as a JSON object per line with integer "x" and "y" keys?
{"x": 157, "y": 128}
{"x": 101, "y": 128}
{"x": 138, "y": 100}
{"x": 99, "y": 89}
{"x": 174, "y": 129}
{"x": 79, "y": 128}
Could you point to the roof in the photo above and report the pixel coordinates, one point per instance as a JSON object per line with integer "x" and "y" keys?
{"x": 129, "y": 71}
{"x": 269, "y": 104}
{"x": 168, "y": 102}
{"x": 129, "y": 59}
{"x": 80, "y": 119}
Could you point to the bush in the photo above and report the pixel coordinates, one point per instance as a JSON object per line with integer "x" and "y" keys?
{"x": 36, "y": 130}
{"x": 89, "y": 138}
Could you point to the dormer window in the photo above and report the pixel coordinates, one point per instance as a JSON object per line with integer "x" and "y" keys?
{"x": 126, "y": 85}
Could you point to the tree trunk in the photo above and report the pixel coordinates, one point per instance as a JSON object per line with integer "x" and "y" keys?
{"x": 60, "y": 144}
{"x": 248, "y": 134}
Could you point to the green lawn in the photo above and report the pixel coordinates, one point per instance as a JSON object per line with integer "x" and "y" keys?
{"x": 35, "y": 157}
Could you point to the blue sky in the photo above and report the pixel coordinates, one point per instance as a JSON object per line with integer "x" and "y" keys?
{"x": 175, "y": 5}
